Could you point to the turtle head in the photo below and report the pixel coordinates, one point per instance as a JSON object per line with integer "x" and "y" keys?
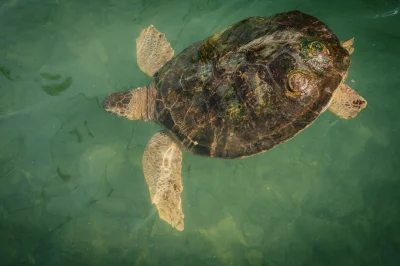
{"x": 118, "y": 103}
{"x": 136, "y": 104}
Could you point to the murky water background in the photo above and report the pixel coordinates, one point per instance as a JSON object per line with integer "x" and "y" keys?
{"x": 72, "y": 190}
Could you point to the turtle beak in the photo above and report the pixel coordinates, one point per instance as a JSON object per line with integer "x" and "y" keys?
{"x": 110, "y": 103}
{"x": 107, "y": 103}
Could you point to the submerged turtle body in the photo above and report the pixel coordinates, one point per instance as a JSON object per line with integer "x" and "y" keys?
{"x": 240, "y": 92}
{"x": 252, "y": 86}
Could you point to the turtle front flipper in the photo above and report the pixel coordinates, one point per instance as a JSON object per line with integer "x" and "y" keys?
{"x": 152, "y": 50}
{"x": 346, "y": 102}
{"x": 162, "y": 166}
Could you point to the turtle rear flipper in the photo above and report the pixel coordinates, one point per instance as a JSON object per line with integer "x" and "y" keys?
{"x": 346, "y": 102}
{"x": 162, "y": 166}
{"x": 152, "y": 50}
{"x": 348, "y": 45}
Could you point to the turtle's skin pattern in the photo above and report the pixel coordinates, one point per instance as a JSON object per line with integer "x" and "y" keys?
{"x": 252, "y": 86}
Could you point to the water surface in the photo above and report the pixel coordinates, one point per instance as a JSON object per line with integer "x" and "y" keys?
{"x": 72, "y": 190}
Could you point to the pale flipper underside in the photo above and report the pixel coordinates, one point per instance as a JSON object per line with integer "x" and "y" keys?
{"x": 348, "y": 45}
{"x": 162, "y": 166}
{"x": 152, "y": 50}
{"x": 346, "y": 102}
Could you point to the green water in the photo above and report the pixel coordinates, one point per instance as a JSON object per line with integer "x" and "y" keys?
{"x": 72, "y": 190}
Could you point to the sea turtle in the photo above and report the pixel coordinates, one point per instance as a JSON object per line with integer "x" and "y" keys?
{"x": 240, "y": 92}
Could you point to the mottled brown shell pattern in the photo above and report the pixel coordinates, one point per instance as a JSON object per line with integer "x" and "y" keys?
{"x": 252, "y": 86}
